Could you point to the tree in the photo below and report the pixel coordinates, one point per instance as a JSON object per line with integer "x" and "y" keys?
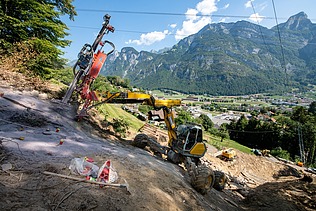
{"x": 299, "y": 114}
{"x": 242, "y": 123}
{"x": 309, "y": 138}
{"x": 121, "y": 126}
{"x": 312, "y": 108}
{"x": 279, "y": 152}
{"x": 183, "y": 117}
{"x": 284, "y": 133}
{"x": 223, "y": 133}
{"x": 206, "y": 122}
{"x": 145, "y": 108}
{"x": 236, "y": 129}
{"x": 32, "y": 29}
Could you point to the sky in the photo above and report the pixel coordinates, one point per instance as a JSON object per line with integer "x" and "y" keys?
{"x": 154, "y": 25}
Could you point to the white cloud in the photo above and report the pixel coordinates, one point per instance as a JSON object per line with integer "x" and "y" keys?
{"x": 191, "y": 27}
{"x": 256, "y": 18}
{"x": 206, "y": 7}
{"x": 191, "y": 14}
{"x": 149, "y": 38}
{"x": 194, "y": 23}
{"x": 226, "y": 6}
{"x": 248, "y": 4}
{"x": 174, "y": 25}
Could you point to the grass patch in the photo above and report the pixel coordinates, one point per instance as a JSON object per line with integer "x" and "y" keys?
{"x": 226, "y": 143}
{"x": 115, "y": 111}
{"x": 159, "y": 93}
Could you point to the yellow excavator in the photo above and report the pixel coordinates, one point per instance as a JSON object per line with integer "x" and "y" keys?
{"x": 185, "y": 144}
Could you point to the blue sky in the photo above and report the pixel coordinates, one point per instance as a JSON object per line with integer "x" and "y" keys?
{"x": 168, "y": 21}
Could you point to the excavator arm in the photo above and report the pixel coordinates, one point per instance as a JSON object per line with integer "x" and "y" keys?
{"x": 145, "y": 99}
{"x": 171, "y": 126}
{"x": 135, "y": 97}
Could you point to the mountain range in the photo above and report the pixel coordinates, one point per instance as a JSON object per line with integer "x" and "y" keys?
{"x": 226, "y": 59}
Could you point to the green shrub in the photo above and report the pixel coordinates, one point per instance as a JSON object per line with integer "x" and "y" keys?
{"x": 279, "y": 152}
{"x": 120, "y": 126}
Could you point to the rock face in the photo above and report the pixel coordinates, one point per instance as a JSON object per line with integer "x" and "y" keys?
{"x": 297, "y": 22}
{"x": 226, "y": 59}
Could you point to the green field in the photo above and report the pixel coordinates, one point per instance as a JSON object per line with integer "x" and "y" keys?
{"x": 226, "y": 143}
{"x": 115, "y": 111}
{"x": 158, "y": 93}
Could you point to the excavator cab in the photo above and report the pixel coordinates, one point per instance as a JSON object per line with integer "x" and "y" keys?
{"x": 190, "y": 140}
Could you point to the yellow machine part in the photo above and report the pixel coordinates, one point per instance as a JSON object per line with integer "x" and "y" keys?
{"x": 229, "y": 153}
{"x": 135, "y": 95}
{"x": 198, "y": 149}
{"x": 167, "y": 102}
{"x": 141, "y": 97}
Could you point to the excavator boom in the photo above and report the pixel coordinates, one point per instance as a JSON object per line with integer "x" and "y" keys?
{"x": 135, "y": 97}
{"x": 145, "y": 99}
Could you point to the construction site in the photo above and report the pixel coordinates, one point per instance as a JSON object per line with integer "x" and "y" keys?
{"x": 39, "y": 139}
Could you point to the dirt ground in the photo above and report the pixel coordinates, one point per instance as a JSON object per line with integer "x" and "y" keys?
{"x": 30, "y": 146}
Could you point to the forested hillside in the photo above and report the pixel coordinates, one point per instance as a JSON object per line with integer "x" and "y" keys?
{"x": 227, "y": 59}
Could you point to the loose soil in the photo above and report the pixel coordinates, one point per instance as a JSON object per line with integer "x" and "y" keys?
{"x": 30, "y": 145}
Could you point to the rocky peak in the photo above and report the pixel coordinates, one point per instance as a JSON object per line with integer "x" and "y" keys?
{"x": 297, "y": 22}
{"x": 129, "y": 50}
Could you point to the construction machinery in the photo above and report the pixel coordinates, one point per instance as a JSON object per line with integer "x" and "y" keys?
{"x": 229, "y": 154}
{"x": 226, "y": 154}
{"x": 185, "y": 144}
{"x": 91, "y": 59}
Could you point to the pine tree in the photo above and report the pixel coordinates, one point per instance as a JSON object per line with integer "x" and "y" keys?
{"x": 33, "y": 30}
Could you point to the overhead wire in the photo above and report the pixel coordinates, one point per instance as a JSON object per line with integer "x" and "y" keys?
{"x": 168, "y": 13}
{"x": 262, "y": 37}
{"x": 281, "y": 45}
{"x": 121, "y": 30}
{"x": 175, "y": 14}
{"x": 146, "y": 32}
{"x": 249, "y": 131}
{"x": 254, "y": 12}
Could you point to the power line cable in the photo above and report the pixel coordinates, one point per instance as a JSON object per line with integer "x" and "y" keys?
{"x": 170, "y": 14}
{"x": 249, "y": 131}
{"x": 177, "y": 14}
{"x": 146, "y": 32}
{"x": 121, "y": 30}
{"x": 264, "y": 41}
{"x": 254, "y": 11}
{"x": 282, "y": 50}
{"x": 301, "y": 143}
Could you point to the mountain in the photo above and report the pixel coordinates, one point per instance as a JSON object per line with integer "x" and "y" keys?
{"x": 227, "y": 59}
